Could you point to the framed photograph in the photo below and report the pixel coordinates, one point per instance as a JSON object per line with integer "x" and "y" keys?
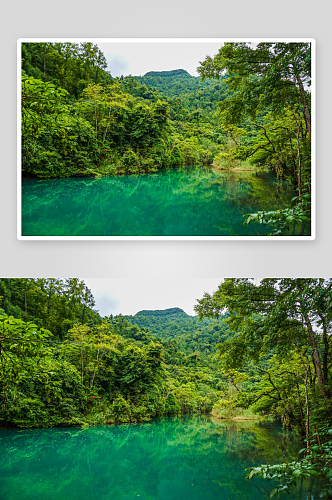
{"x": 129, "y": 388}
{"x": 180, "y": 139}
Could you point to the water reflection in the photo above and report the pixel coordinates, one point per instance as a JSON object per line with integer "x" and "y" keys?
{"x": 176, "y": 202}
{"x": 186, "y": 458}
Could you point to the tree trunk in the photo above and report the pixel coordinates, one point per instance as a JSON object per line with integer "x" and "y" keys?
{"x": 307, "y": 116}
{"x": 315, "y": 355}
{"x": 326, "y": 350}
{"x": 299, "y": 83}
{"x": 307, "y": 412}
{"x": 301, "y": 425}
{"x": 299, "y": 167}
{"x": 318, "y": 438}
{"x": 299, "y": 180}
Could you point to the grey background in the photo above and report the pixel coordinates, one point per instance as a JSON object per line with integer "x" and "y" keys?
{"x": 107, "y": 19}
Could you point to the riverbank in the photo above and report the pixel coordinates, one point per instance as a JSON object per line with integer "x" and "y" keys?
{"x": 118, "y": 170}
{"x": 238, "y": 166}
{"x": 101, "y": 417}
{"x": 222, "y": 411}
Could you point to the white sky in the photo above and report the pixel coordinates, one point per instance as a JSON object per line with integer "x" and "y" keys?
{"x": 137, "y": 58}
{"x": 128, "y": 296}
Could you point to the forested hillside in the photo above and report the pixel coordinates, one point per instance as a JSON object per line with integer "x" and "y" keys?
{"x": 190, "y": 334}
{"x": 270, "y": 89}
{"x": 282, "y": 328}
{"x": 61, "y": 363}
{"x": 197, "y": 96}
{"x": 78, "y": 120}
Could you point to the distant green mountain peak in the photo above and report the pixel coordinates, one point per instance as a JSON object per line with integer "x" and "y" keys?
{"x": 174, "y": 311}
{"x": 173, "y": 72}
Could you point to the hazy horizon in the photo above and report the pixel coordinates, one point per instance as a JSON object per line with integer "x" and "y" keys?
{"x": 128, "y": 296}
{"x": 138, "y": 58}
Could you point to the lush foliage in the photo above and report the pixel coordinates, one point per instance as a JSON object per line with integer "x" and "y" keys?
{"x": 198, "y": 98}
{"x": 78, "y": 120}
{"x": 54, "y": 304}
{"x": 270, "y": 90}
{"x": 281, "y": 330}
{"x": 71, "y": 66}
{"x": 251, "y": 109}
{"x": 61, "y": 363}
{"x": 174, "y": 325}
{"x": 316, "y": 462}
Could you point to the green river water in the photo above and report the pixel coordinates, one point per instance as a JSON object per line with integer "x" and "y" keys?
{"x": 192, "y": 201}
{"x": 175, "y": 458}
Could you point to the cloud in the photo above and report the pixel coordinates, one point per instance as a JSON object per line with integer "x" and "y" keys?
{"x": 139, "y": 57}
{"x": 118, "y": 65}
{"x": 106, "y": 303}
{"x": 127, "y": 296}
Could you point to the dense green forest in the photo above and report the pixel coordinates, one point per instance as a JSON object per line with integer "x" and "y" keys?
{"x": 270, "y": 89}
{"x": 249, "y": 109}
{"x": 187, "y": 332}
{"x": 254, "y": 351}
{"x": 283, "y": 328}
{"x": 79, "y": 120}
{"x": 70, "y": 366}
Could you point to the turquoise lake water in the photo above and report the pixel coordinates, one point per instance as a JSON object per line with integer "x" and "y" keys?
{"x": 193, "y": 201}
{"x": 175, "y": 458}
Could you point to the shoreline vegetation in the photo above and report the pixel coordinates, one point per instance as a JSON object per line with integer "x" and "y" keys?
{"x": 214, "y": 166}
{"x": 78, "y": 120}
{"x": 238, "y": 166}
{"x": 222, "y": 411}
{"x": 95, "y": 420}
{"x": 255, "y": 349}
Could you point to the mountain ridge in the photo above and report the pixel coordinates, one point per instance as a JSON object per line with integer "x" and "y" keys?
{"x": 173, "y": 72}
{"x": 171, "y": 311}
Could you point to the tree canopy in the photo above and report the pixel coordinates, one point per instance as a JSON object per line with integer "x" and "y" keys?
{"x": 282, "y": 326}
{"x": 61, "y": 363}
{"x": 270, "y": 85}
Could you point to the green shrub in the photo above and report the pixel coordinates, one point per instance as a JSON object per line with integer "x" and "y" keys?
{"x": 176, "y": 157}
{"x": 171, "y": 405}
{"x": 227, "y": 409}
{"x": 121, "y": 410}
{"x": 131, "y": 162}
